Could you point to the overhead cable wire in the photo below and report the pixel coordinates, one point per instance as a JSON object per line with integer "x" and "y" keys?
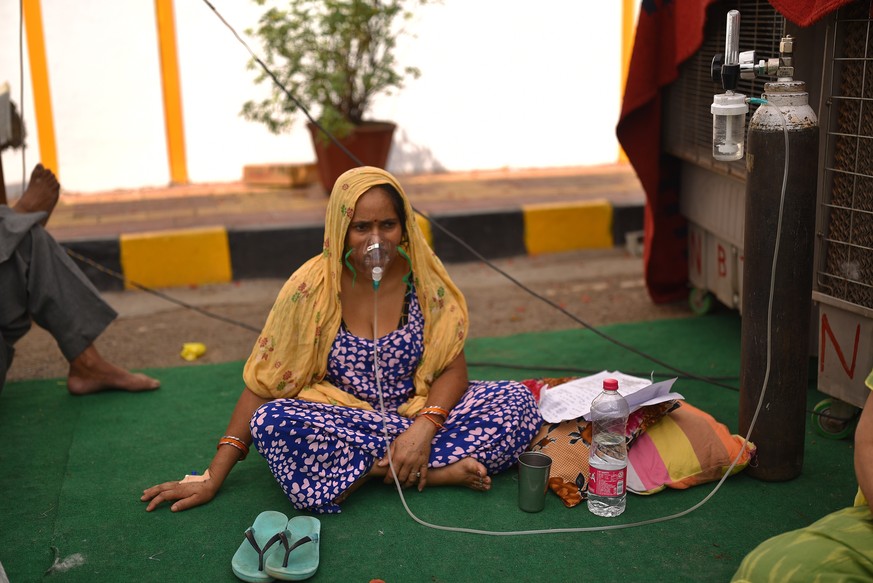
{"x": 457, "y": 239}
{"x": 159, "y": 294}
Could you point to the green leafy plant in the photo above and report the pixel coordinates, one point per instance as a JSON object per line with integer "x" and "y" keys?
{"x": 334, "y": 56}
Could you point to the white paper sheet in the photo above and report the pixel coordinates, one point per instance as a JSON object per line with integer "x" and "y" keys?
{"x": 573, "y": 399}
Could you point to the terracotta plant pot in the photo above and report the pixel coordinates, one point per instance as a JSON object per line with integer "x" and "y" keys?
{"x": 369, "y": 142}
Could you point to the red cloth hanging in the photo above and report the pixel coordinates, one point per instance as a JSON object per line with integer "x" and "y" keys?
{"x": 668, "y": 33}
{"x": 806, "y": 12}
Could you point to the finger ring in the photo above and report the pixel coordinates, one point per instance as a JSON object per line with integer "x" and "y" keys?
{"x": 417, "y": 474}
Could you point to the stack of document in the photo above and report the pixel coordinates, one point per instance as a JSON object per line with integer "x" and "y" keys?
{"x": 573, "y": 399}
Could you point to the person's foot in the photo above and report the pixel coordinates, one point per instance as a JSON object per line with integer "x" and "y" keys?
{"x": 90, "y": 373}
{"x": 41, "y": 194}
{"x": 467, "y": 472}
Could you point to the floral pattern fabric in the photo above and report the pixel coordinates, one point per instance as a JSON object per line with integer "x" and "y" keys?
{"x": 316, "y": 451}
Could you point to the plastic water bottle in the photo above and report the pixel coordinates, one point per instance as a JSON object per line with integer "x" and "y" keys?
{"x": 608, "y": 456}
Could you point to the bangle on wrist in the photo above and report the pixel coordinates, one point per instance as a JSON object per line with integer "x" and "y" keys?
{"x": 431, "y": 419}
{"x": 235, "y": 442}
{"x": 436, "y": 411}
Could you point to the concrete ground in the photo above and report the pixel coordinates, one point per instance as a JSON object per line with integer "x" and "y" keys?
{"x": 598, "y": 286}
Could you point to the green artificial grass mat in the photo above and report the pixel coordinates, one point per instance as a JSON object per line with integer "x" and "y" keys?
{"x": 72, "y": 471}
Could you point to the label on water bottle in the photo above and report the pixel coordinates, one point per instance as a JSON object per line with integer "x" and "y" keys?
{"x": 607, "y": 482}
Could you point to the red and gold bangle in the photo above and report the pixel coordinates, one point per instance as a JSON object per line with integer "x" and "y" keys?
{"x": 236, "y": 439}
{"x": 435, "y": 410}
{"x": 431, "y": 419}
{"x": 234, "y": 442}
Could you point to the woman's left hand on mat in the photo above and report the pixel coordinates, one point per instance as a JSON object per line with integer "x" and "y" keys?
{"x": 410, "y": 453}
{"x": 187, "y": 495}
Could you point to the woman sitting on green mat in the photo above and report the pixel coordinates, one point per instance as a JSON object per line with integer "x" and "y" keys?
{"x": 839, "y": 547}
{"x": 312, "y": 405}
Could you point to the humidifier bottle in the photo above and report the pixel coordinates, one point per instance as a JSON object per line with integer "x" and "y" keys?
{"x": 728, "y": 125}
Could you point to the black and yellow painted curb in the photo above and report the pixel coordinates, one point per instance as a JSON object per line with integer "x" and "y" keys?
{"x": 219, "y": 254}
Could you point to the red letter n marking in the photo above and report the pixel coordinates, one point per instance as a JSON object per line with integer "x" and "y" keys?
{"x": 826, "y": 329}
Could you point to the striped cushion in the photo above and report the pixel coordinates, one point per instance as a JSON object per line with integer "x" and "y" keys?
{"x": 685, "y": 448}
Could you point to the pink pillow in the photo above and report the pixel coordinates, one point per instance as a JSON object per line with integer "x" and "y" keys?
{"x": 685, "y": 448}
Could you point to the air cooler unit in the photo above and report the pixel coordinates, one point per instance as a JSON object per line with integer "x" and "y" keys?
{"x": 835, "y": 59}
{"x": 843, "y": 286}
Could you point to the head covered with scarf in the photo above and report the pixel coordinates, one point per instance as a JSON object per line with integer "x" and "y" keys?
{"x": 289, "y": 360}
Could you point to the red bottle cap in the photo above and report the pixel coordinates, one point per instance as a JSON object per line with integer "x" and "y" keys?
{"x": 610, "y": 385}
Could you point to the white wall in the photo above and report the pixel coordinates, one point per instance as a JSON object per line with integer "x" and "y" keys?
{"x": 502, "y": 85}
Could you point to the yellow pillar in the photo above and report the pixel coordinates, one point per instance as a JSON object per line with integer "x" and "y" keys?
{"x": 42, "y": 101}
{"x": 172, "y": 92}
{"x": 628, "y": 29}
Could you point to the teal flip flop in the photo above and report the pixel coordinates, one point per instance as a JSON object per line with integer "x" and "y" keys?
{"x": 300, "y": 543}
{"x": 248, "y": 560}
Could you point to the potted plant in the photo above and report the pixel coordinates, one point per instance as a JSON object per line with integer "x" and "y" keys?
{"x": 334, "y": 57}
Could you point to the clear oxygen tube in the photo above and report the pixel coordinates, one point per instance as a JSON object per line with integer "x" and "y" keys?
{"x": 689, "y": 510}
{"x": 376, "y": 255}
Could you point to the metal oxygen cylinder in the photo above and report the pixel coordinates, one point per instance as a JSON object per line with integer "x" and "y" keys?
{"x": 780, "y": 428}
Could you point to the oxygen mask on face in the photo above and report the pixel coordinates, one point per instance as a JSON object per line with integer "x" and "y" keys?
{"x": 377, "y": 254}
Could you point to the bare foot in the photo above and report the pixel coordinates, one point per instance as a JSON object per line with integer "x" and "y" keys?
{"x": 467, "y": 472}
{"x": 41, "y": 194}
{"x": 90, "y": 373}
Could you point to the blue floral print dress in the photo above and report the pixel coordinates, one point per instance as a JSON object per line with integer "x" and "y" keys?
{"x": 317, "y": 451}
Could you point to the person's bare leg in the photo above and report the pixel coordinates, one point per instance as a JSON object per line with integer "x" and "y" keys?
{"x": 91, "y": 373}
{"x": 3, "y": 198}
{"x": 41, "y": 194}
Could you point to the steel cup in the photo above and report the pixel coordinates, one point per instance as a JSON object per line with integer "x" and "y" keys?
{"x": 533, "y": 480}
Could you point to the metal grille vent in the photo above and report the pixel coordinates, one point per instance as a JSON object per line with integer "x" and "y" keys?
{"x": 847, "y": 203}
{"x": 688, "y": 121}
